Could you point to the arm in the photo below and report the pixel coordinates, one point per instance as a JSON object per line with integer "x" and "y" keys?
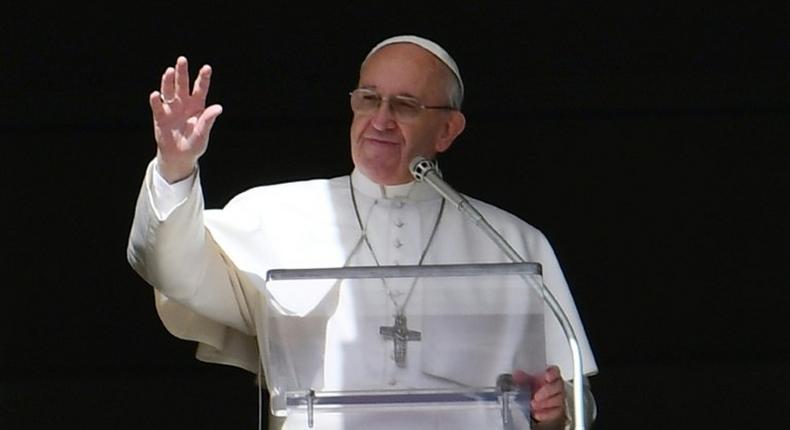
{"x": 169, "y": 246}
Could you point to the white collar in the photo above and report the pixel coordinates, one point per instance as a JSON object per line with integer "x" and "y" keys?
{"x": 412, "y": 190}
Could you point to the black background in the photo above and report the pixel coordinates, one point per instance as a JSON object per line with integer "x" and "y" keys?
{"x": 649, "y": 142}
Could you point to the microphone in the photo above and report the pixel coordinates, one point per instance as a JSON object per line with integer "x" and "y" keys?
{"x": 425, "y": 170}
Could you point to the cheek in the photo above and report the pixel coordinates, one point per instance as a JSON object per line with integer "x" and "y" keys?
{"x": 356, "y": 129}
{"x": 421, "y": 141}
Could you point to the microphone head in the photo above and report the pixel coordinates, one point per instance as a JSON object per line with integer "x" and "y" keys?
{"x": 420, "y": 166}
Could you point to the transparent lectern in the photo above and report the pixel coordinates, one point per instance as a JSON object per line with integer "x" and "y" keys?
{"x": 401, "y": 346}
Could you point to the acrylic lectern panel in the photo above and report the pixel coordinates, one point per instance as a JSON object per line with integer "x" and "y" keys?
{"x": 393, "y": 337}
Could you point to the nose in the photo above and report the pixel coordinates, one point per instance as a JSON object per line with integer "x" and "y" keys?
{"x": 384, "y": 118}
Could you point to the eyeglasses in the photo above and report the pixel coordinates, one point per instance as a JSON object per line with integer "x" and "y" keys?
{"x": 367, "y": 102}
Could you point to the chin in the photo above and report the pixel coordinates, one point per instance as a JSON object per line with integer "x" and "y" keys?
{"x": 381, "y": 164}
{"x": 386, "y": 176}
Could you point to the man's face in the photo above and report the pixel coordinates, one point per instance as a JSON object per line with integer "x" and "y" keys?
{"x": 382, "y": 146}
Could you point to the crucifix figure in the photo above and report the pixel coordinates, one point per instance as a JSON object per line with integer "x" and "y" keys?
{"x": 400, "y": 335}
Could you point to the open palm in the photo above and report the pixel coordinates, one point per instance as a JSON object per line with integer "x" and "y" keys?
{"x": 182, "y": 122}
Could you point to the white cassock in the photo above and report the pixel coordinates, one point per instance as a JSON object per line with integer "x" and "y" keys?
{"x": 208, "y": 268}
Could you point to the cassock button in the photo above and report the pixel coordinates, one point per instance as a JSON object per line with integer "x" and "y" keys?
{"x": 399, "y": 203}
{"x": 392, "y": 381}
{"x": 399, "y": 223}
{"x": 398, "y": 243}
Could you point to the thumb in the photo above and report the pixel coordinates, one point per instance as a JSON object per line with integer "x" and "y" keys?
{"x": 206, "y": 120}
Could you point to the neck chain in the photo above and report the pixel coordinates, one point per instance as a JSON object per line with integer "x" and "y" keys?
{"x": 399, "y": 309}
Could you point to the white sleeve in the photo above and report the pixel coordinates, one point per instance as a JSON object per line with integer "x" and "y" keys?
{"x": 171, "y": 249}
{"x": 166, "y": 196}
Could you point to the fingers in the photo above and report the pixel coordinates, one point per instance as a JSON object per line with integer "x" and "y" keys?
{"x": 550, "y": 384}
{"x": 181, "y": 78}
{"x": 548, "y": 403}
{"x": 548, "y": 414}
{"x": 167, "y": 87}
{"x": 173, "y": 107}
{"x": 175, "y": 83}
{"x": 201, "y": 84}
{"x": 206, "y": 120}
{"x": 548, "y": 394}
{"x": 527, "y": 381}
{"x": 550, "y": 389}
{"x": 552, "y": 374}
{"x": 156, "y": 103}
{"x": 535, "y": 381}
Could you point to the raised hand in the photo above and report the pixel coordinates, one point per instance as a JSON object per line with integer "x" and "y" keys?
{"x": 182, "y": 122}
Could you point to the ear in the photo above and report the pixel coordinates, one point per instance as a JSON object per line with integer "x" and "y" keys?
{"x": 453, "y": 127}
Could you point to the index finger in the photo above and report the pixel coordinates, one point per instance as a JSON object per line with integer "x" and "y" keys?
{"x": 156, "y": 103}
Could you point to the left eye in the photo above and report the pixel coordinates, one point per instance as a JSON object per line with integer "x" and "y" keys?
{"x": 406, "y": 104}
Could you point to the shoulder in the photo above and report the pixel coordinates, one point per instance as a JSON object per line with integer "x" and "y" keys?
{"x": 303, "y": 202}
{"x": 302, "y": 192}
{"x": 502, "y": 216}
{"x": 510, "y": 225}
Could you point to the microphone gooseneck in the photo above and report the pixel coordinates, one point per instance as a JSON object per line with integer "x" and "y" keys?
{"x": 424, "y": 170}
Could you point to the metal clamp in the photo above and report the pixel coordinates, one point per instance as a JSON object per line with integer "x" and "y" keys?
{"x": 310, "y": 404}
{"x": 505, "y": 387}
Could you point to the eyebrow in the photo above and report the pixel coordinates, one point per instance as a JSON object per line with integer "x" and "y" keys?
{"x": 375, "y": 88}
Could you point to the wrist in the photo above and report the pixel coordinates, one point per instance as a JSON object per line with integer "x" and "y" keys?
{"x": 174, "y": 171}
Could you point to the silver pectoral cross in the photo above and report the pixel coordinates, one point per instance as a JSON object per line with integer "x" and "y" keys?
{"x": 400, "y": 335}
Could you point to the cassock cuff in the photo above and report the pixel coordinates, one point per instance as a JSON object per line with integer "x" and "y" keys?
{"x": 166, "y": 196}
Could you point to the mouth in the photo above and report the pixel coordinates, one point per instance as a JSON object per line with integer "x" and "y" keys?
{"x": 380, "y": 141}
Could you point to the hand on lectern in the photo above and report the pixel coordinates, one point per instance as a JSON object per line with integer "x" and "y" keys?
{"x": 548, "y": 394}
{"x": 182, "y": 122}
